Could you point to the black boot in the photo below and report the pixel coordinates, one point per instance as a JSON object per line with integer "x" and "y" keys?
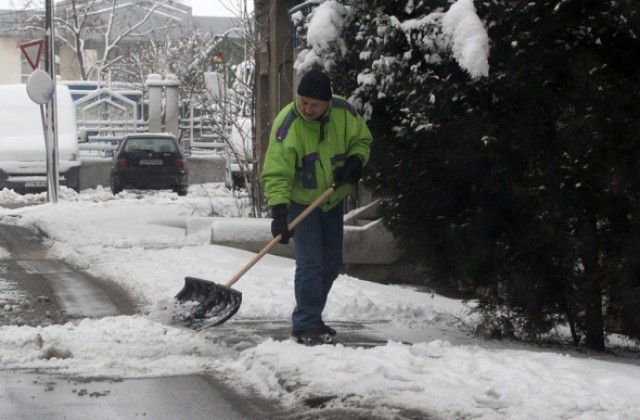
{"x": 313, "y": 336}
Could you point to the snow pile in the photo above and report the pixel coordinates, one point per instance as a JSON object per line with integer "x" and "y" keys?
{"x": 430, "y": 364}
{"x": 108, "y": 347}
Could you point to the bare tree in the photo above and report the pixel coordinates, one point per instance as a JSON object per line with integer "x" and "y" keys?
{"x": 101, "y": 32}
{"x": 231, "y": 112}
{"x": 126, "y": 41}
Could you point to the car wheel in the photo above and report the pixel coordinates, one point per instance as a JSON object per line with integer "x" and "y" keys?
{"x": 115, "y": 189}
{"x": 182, "y": 190}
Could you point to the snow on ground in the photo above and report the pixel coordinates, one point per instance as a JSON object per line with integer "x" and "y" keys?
{"x": 147, "y": 242}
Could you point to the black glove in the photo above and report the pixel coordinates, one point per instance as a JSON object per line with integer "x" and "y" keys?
{"x": 350, "y": 173}
{"x": 279, "y": 224}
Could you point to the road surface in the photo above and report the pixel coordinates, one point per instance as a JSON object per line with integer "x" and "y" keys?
{"x": 36, "y": 290}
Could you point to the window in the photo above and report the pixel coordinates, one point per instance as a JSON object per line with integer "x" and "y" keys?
{"x": 26, "y": 70}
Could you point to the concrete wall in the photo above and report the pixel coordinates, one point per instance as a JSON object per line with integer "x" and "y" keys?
{"x": 11, "y": 69}
{"x": 370, "y": 250}
{"x": 94, "y": 173}
{"x": 202, "y": 169}
{"x": 371, "y": 243}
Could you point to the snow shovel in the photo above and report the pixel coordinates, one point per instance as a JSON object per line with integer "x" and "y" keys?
{"x": 207, "y": 304}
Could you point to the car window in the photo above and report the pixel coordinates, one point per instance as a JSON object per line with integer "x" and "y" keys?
{"x": 166, "y": 146}
{"x": 136, "y": 145}
{"x": 150, "y": 145}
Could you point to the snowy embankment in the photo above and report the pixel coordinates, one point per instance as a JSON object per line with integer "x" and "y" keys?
{"x": 140, "y": 241}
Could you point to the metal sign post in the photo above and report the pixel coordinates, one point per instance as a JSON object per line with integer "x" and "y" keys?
{"x": 40, "y": 90}
{"x": 53, "y": 179}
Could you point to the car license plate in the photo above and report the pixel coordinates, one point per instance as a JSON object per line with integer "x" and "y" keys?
{"x": 151, "y": 162}
{"x": 32, "y": 184}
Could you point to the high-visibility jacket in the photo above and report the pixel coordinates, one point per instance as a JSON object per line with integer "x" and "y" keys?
{"x": 302, "y": 154}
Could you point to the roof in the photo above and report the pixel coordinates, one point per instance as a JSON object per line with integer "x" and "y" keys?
{"x": 14, "y": 23}
{"x": 150, "y": 136}
{"x": 173, "y": 16}
{"x": 168, "y": 19}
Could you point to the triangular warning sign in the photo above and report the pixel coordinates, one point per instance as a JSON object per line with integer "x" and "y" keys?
{"x": 32, "y": 51}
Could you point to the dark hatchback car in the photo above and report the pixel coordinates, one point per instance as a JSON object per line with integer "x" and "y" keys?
{"x": 149, "y": 162}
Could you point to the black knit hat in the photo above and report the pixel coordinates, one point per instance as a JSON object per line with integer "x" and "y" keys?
{"x": 315, "y": 84}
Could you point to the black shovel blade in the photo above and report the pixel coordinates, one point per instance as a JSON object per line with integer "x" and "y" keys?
{"x": 204, "y": 304}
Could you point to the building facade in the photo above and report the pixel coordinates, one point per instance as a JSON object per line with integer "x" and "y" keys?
{"x": 167, "y": 20}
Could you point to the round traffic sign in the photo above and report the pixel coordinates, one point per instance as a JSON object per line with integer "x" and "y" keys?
{"x": 40, "y": 87}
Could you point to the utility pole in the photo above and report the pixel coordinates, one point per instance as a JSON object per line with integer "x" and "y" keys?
{"x": 274, "y": 65}
{"x": 52, "y": 115}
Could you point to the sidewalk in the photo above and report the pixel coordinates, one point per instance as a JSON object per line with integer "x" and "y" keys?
{"x": 36, "y": 291}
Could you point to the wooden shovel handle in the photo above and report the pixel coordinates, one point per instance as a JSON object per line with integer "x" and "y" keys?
{"x": 276, "y": 239}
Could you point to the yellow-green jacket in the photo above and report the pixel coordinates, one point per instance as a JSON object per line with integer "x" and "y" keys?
{"x": 302, "y": 154}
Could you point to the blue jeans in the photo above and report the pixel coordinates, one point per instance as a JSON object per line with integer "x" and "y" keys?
{"x": 318, "y": 245}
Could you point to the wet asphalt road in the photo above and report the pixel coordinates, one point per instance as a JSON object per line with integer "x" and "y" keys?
{"x": 31, "y": 395}
{"x": 39, "y": 291}
{"x": 35, "y": 291}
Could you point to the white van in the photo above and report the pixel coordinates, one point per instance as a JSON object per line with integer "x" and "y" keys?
{"x": 23, "y": 166}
